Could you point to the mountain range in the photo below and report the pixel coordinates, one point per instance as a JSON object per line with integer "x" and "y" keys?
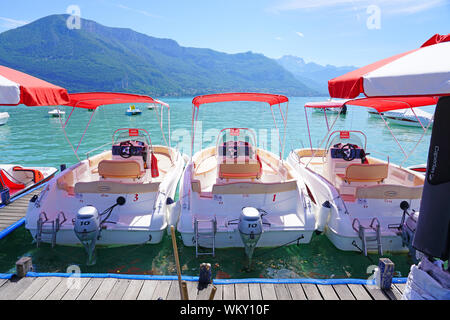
{"x": 100, "y": 58}
{"x": 312, "y": 74}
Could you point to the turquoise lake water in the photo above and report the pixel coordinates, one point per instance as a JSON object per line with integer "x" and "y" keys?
{"x": 32, "y": 138}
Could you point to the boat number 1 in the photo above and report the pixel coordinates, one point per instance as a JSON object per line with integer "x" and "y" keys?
{"x": 274, "y": 196}
{"x": 136, "y": 197}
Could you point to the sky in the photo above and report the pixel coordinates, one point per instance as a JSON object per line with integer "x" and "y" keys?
{"x": 336, "y": 32}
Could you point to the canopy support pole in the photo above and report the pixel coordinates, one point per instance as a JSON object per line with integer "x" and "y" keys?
{"x": 392, "y": 133}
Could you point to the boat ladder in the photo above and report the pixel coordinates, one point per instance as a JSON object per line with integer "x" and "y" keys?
{"x": 207, "y": 232}
{"x": 53, "y": 230}
{"x": 370, "y": 236}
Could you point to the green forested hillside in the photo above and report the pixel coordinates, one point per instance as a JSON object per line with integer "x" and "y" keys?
{"x": 99, "y": 58}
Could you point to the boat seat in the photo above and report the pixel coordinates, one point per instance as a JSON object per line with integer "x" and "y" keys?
{"x": 120, "y": 169}
{"x": 365, "y": 173}
{"x": 245, "y": 170}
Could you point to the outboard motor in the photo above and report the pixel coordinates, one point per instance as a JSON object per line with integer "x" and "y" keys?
{"x": 250, "y": 228}
{"x": 87, "y": 229}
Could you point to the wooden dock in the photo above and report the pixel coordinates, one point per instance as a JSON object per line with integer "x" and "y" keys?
{"x": 16, "y": 210}
{"x": 63, "y": 288}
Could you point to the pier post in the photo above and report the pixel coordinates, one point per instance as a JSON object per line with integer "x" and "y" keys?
{"x": 23, "y": 265}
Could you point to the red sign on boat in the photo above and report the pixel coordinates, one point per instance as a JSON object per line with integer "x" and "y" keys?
{"x": 133, "y": 132}
{"x": 344, "y": 135}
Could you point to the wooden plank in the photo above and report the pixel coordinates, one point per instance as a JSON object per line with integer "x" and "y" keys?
{"x": 119, "y": 289}
{"x": 393, "y": 293}
{"x": 376, "y": 293}
{"x": 268, "y": 291}
{"x": 3, "y": 281}
{"x": 228, "y": 292}
{"x": 48, "y": 288}
{"x": 311, "y": 291}
{"x": 296, "y": 291}
{"x": 76, "y": 286}
{"x": 282, "y": 292}
{"x": 12, "y": 289}
{"x": 242, "y": 291}
{"x": 219, "y": 292}
{"x": 133, "y": 290}
{"x": 162, "y": 289}
{"x": 90, "y": 289}
{"x": 343, "y": 292}
{"x": 174, "y": 291}
{"x": 29, "y": 292}
{"x": 327, "y": 292}
{"x": 60, "y": 290}
{"x": 204, "y": 293}
{"x": 192, "y": 289}
{"x": 147, "y": 290}
{"x": 359, "y": 292}
{"x": 400, "y": 287}
{"x": 255, "y": 291}
{"x": 105, "y": 288}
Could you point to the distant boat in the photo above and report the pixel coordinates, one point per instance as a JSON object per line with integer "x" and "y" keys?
{"x": 418, "y": 118}
{"x": 4, "y": 116}
{"x": 56, "y": 113}
{"x": 373, "y": 112}
{"x": 152, "y": 106}
{"x": 331, "y": 105}
{"x": 133, "y": 111}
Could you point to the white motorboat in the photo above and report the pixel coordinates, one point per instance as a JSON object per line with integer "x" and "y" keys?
{"x": 120, "y": 196}
{"x": 235, "y": 194}
{"x": 357, "y": 197}
{"x": 329, "y": 106}
{"x": 18, "y": 179}
{"x": 411, "y": 118}
{"x": 56, "y": 113}
{"x": 4, "y": 117}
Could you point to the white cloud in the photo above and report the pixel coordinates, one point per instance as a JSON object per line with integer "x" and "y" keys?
{"x": 278, "y": 38}
{"x": 9, "y": 23}
{"x": 300, "y": 34}
{"x": 388, "y": 6}
{"x": 145, "y": 13}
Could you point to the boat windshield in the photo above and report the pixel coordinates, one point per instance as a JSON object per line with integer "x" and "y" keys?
{"x": 236, "y": 142}
{"x": 131, "y": 134}
{"x": 344, "y": 137}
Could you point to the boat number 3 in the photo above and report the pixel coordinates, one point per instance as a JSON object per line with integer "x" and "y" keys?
{"x": 136, "y": 197}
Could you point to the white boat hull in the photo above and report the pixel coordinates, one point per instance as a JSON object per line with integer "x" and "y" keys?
{"x": 339, "y": 224}
{"x": 289, "y": 219}
{"x": 142, "y": 219}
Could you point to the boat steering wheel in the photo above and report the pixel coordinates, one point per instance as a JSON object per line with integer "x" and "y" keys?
{"x": 348, "y": 152}
{"x": 125, "y": 149}
{"x": 233, "y": 152}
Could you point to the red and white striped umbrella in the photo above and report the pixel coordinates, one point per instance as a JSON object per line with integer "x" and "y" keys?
{"x": 420, "y": 72}
{"x": 20, "y": 88}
